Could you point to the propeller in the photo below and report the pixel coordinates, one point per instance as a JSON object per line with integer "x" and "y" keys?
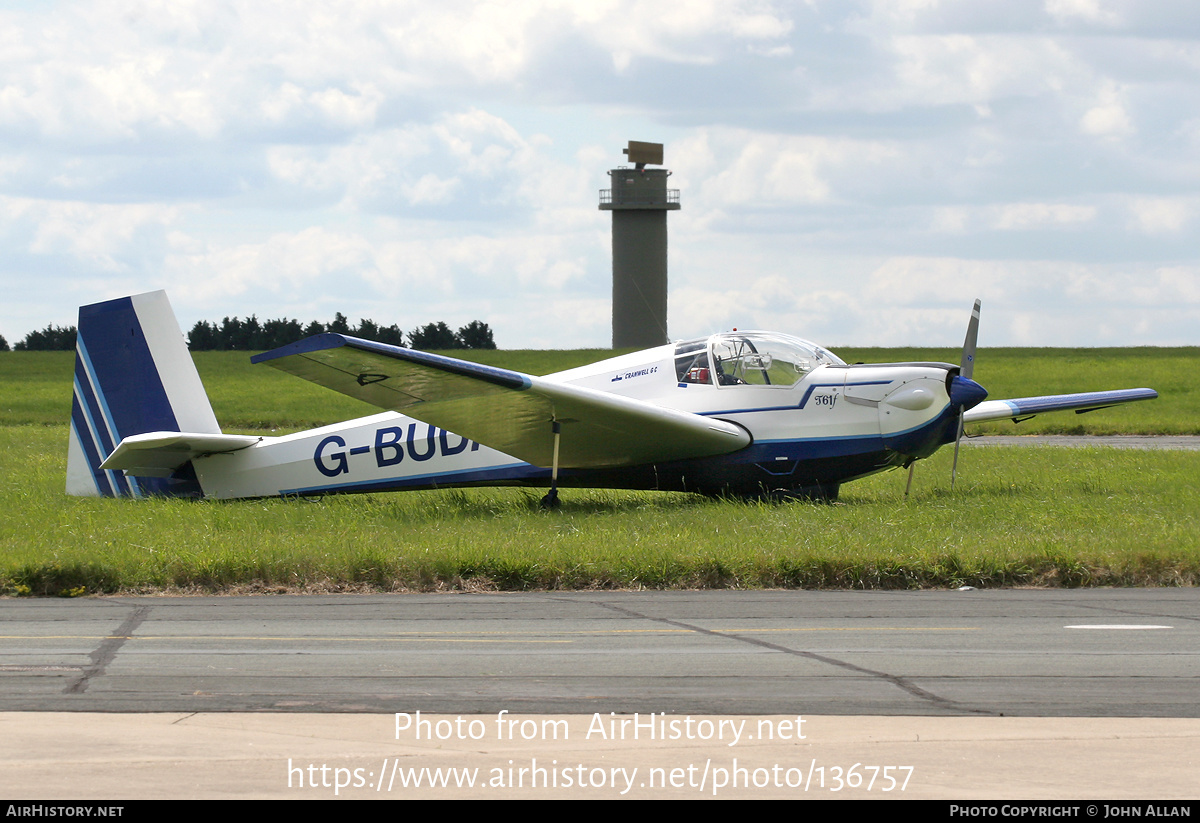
{"x": 964, "y": 393}
{"x": 965, "y": 371}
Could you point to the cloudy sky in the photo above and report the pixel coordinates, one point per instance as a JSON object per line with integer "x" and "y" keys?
{"x": 851, "y": 172}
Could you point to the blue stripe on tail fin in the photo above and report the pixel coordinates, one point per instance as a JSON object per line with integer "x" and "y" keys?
{"x": 133, "y": 374}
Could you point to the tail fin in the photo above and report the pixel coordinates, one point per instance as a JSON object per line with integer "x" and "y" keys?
{"x": 133, "y": 374}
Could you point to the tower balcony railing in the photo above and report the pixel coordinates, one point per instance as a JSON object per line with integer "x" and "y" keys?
{"x": 639, "y": 198}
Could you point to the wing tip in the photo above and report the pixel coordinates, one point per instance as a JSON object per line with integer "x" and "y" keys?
{"x": 317, "y": 342}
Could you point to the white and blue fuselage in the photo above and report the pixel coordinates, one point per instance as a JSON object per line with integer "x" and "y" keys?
{"x": 746, "y": 413}
{"x": 809, "y": 429}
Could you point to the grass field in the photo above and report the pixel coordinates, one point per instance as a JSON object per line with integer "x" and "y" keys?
{"x": 1050, "y": 517}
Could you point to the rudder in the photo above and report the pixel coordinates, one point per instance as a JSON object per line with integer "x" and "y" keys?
{"x": 133, "y": 375}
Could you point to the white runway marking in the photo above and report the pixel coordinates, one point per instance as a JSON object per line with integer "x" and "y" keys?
{"x": 1118, "y": 626}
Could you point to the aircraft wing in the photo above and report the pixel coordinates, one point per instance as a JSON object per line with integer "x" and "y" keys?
{"x": 506, "y": 410}
{"x": 1028, "y": 406}
{"x": 158, "y": 454}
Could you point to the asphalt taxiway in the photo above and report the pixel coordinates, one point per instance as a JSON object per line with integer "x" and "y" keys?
{"x": 1085, "y": 653}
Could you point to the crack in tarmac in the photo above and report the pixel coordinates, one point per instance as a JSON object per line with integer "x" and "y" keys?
{"x": 107, "y": 650}
{"x": 899, "y": 682}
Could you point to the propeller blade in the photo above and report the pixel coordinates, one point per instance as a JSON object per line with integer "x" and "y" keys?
{"x": 967, "y": 367}
{"x": 966, "y": 370}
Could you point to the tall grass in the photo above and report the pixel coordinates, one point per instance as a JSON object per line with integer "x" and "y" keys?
{"x": 1061, "y": 517}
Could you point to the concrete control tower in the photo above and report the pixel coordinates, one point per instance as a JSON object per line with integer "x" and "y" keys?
{"x": 639, "y": 201}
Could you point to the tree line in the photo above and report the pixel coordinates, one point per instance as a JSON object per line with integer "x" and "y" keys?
{"x": 251, "y": 334}
{"x": 51, "y": 338}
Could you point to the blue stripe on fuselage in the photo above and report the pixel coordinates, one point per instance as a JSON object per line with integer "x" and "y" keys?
{"x": 511, "y": 471}
{"x": 803, "y": 399}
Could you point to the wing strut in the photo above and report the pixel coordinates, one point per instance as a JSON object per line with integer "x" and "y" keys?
{"x": 550, "y": 501}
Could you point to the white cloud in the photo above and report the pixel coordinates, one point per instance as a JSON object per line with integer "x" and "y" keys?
{"x": 430, "y": 190}
{"x": 974, "y": 69}
{"x": 100, "y": 235}
{"x": 837, "y": 163}
{"x": 913, "y": 281}
{"x": 1160, "y": 215}
{"x": 738, "y": 167}
{"x": 950, "y": 219}
{"x": 283, "y": 262}
{"x": 1108, "y": 117}
{"x": 1032, "y": 215}
{"x": 697, "y": 32}
{"x": 1090, "y": 11}
{"x": 1138, "y": 288}
{"x": 346, "y": 110}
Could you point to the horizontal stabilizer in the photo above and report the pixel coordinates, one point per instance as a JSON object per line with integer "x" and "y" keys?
{"x": 1029, "y": 406}
{"x": 506, "y": 410}
{"x": 159, "y": 454}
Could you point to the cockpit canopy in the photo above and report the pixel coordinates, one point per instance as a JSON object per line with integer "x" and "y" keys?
{"x": 752, "y": 358}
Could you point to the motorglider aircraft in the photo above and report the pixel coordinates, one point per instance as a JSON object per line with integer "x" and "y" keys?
{"x": 741, "y": 412}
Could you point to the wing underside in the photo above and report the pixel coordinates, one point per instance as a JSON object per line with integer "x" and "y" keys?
{"x": 1024, "y": 407}
{"x": 507, "y": 410}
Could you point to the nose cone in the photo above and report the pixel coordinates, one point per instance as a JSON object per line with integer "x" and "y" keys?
{"x": 966, "y": 393}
